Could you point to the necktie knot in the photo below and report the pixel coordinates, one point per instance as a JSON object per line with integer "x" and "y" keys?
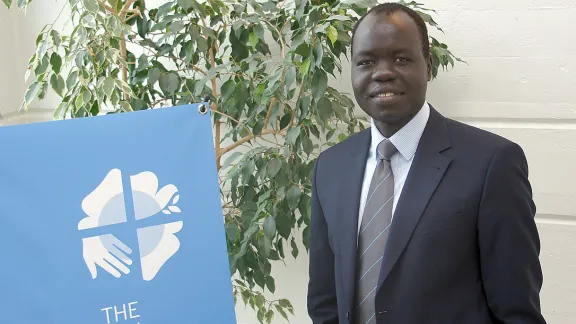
{"x": 385, "y": 150}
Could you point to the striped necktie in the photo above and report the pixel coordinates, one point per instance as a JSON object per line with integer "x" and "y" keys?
{"x": 373, "y": 233}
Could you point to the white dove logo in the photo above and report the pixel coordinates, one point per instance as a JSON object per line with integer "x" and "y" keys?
{"x": 105, "y": 206}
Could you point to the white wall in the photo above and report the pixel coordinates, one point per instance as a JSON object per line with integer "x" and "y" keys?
{"x": 519, "y": 82}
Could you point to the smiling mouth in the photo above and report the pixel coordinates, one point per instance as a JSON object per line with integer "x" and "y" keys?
{"x": 386, "y": 98}
{"x": 386, "y": 95}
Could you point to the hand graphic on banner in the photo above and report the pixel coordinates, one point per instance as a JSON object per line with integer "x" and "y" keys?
{"x": 96, "y": 253}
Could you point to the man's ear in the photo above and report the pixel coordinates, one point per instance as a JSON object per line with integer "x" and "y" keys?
{"x": 429, "y": 66}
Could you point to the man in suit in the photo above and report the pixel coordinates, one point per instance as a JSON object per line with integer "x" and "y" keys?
{"x": 419, "y": 219}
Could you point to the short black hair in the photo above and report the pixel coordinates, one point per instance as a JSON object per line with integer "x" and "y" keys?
{"x": 390, "y": 8}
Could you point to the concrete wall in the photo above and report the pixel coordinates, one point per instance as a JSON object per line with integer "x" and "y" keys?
{"x": 519, "y": 83}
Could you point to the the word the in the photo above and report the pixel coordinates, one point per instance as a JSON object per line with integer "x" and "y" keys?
{"x": 125, "y": 312}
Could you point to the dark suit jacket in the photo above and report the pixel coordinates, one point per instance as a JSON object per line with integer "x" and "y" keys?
{"x": 463, "y": 246}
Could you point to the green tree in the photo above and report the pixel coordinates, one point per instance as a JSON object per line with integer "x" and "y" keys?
{"x": 265, "y": 67}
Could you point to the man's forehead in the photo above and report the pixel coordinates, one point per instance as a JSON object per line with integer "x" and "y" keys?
{"x": 379, "y": 21}
{"x": 369, "y": 32}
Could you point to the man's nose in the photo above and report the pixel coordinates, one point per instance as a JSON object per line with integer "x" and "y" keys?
{"x": 384, "y": 72}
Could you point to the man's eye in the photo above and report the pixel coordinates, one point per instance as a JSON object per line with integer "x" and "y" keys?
{"x": 365, "y": 62}
{"x": 403, "y": 59}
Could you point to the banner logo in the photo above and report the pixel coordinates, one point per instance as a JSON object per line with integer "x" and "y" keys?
{"x": 105, "y": 206}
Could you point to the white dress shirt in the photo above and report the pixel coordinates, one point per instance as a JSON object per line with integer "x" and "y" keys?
{"x": 406, "y": 141}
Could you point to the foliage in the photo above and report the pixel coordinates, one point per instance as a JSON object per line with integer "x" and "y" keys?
{"x": 265, "y": 66}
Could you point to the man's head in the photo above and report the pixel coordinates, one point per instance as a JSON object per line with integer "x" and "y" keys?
{"x": 390, "y": 65}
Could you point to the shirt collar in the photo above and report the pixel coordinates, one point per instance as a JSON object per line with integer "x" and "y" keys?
{"x": 407, "y": 138}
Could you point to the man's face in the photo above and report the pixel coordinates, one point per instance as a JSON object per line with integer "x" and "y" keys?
{"x": 389, "y": 70}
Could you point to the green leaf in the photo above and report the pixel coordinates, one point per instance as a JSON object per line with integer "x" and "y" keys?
{"x": 269, "y": 227}
{"x": 265, "y": 245}
{"x": 32, "y": 92}
{"x": 259, "y": 300}
{"x": 91, "y": 5}
{"x": 79, "y": 102}
{"x": 153, "y": 76}
{"x": 202, "y": 44}
{"x": 290, "y": 77}
{"x": 259, "y": 278}
{"x": 8, "y": 3}
{"x": 281, "y": 311}
{"x": 285, "y": 303}
{"x": 332, "y": 34}
{"x": 294, "y": 248}
{"x": 253, "y": 39}
{"x": 165, "y": 49}
{"x": 247, "y": 170}
{"x": 306, "y": 236}
{"x": 189, "y": 49}
{"x": 88, "y": 21}
{"x": 293, "y": 197}
{"x": 42, "y": 48}
{"x": 318, "y": 53}
{"x": 307, "y": 145}
{"x": 163, "y": 10}
{"x": 270, "y": 284}
{"x": 293, "y": 134}
{"x": 56, "y": 62}
{"x": 142, "y": 63}
{"x": 231, "y": 159}
{"x": 324, "y": 108}
{"x": 126, "y": 106}
{"x": 340, "y": 111}
{"x": 273, "y": 167}
{"x": 305, "y": 67}
{"x": 240, "y": 96}
{"x": 339, "y": 18}
{"x": 109, "y": 86}
{"x": 285, "y": 121}
{"x": 169, "y": 82}
{"x": 232, "y": 231}
{"x": 57, "y": 83}
{"x": 60, "y": 110}
{"x": 259, "y": 31}
{"x": 176, "y": 26}
{"x": 320, "y": 82}
{"x": 227, "y": 89}
{"x": 43, "y": 66}
{"x": 123, "y": 86}
{"x": 330, "y": 134}
{"x": 56, "y": 39}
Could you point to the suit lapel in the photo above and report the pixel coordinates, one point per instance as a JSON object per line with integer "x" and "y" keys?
{"x": 348, "y": 205}
{"x": 427, "y": 170}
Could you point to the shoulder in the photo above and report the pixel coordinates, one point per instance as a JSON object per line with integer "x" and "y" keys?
{"x": 338, "y": 157}
{"x": 354, "y": 144}
{"x": 468, "y": 137}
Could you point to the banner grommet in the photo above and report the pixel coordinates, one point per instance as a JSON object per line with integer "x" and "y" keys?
{"x": 202, "y": 109}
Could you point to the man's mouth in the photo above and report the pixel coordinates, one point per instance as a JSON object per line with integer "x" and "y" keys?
{"x": 386, "y": 94}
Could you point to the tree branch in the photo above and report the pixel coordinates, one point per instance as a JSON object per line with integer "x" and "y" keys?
{"x": 218, "y": 130}
{"x": 194, "y": 67}
{"x": 269, "y": 113}
{"x": 123, "y": 45}
{"x": 248, "y": 138}
{"x": 112, "y": 10}
{"x": 280, "y": 38}
{"x": 230, "y": 117}
{"x": 125, "y": 58}
{"x": 126, "y": 8}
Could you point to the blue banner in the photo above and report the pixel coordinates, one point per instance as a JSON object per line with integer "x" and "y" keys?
{"x": 113, "y": 219}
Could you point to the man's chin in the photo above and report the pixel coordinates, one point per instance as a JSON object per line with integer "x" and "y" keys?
{"x": 388, "y": 117}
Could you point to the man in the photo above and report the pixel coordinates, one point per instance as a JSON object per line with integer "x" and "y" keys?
{"x": 419, "y": 219}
